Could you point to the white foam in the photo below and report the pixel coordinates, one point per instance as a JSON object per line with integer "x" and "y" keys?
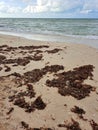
{"x": 88, "y": 40}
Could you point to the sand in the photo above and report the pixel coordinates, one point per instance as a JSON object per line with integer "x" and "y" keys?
{"x": 53, "y": 110}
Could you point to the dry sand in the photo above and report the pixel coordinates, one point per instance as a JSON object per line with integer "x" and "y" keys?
{"x": 57, "y": 113}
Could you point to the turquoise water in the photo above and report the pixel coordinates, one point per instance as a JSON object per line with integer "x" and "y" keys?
{"x": 63, "y": 27}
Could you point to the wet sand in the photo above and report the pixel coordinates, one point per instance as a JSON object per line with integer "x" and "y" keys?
{"x": 47, "y": 86}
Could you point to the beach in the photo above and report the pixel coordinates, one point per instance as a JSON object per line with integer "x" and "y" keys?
{"x": 47, "y": 85}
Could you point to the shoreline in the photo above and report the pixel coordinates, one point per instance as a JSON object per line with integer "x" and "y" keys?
{"x": 47, "y": 85}
{"x": 56, "y": 38}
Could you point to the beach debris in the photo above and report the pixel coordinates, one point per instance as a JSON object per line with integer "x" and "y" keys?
{"x": 53, "y": 68}
{"x": 11, "y": 98}
{"x": 23, "y": 61}
{"x": 39, "y": 104}
{"x": 30, "y": 91}
{"x": 65, "y": 105}
{"x": 36, "y": 74}
{"x": 33, "y": 76}
{"x": 0, "y": 68}
{"x": 38, "y": 51}
{"x": 6, "y": 48}
{"x": 94, "y": 125}
{"x": 20, "y": 61}
{"x": 24, "y": 125}
{"x": 7, "y": 69}
{"x": 32, "y": 47}
{"x": 9, "y": 49}
{"x": 10, "y": 110}
{"x": 71, "y": 82}
{"x": 28, "y": 78}
{"x": 53, "y": 51}
{"x": 73, "y": 125}
{"x": 78, "y": 110}
{"x": 2, "y": 57}
{"x": 37, "y": 57}
{"x": 27, "y": 127}
{"x": 16, "y": 74}
{"x": 40, "y": 128}
{"x": 19, "y": 101}
{"x": 3, "y": 46}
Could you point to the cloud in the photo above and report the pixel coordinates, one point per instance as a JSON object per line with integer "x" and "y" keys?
{"x": 5, "y": 8}
{"x": 85, "y": 11}
{"x": 52, "y": 6}
{"x": 69, "y": 6}
{"x": 14, "y": 10}
{"x": 89, "y": 6}
{"x": 48, "y": 7}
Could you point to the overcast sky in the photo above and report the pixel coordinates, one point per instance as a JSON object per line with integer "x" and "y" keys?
{"x": 49, "y": 8}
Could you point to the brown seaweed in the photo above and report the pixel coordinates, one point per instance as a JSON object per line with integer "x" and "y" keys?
{"x": 10, "y": 110}
{"x": 19, "y": 101}
{"x": 94, "y": 125}
{"x": 20, "y": 61}
{"x": 71, "y": 82}
{"x": 78, "y": 111}
{"x": 30, "y": 91}
{"x": 2, "y": 58}
{"x": 39, "y": 104}
{"x": 0, "y": 68}
{"x": 36, "y": 74}
{"x": 26, "y": 126}
{"x": 32, "y": 47}
{"x": 23, "y": 50}
{"x": 74, "y": 125}
{"x": 54, "y": 50}
{"x": 7, "y": 69}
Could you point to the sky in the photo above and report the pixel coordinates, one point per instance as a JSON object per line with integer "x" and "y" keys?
{"x": 49, "y": 8}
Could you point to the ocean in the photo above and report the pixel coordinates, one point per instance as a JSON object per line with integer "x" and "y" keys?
{"x": 59, "y": 30}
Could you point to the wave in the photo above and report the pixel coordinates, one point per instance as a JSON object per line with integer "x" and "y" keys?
{"x": 64, "y": 27}
{"x": 88, "y": 40}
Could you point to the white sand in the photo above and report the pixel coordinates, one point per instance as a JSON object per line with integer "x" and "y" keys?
{"x": 71, "y": 56}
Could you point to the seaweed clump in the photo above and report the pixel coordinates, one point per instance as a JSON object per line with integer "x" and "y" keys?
{"x": 19, "y": 101}
{"x": 74, "y": 125}
{"x": 7, "y": 69}
{"x": 78, "y": 110}
{"x": 0, "y": 68}
{"x": 71, "y": 82}
{"x": 36, "y": 74}
{"x": 19, "y": 61}
{"x": 94, "y": 125}
{"x": 39, "y": 104}
{"x": 22, "y": 61}
{"x": 26, "y": 126}
{"x": 54, "y": 50}
{"x": 2, "y": 57}
{"x": 10, "y": 110}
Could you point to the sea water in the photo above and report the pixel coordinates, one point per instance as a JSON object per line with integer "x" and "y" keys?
{"x": 84, "y": 31}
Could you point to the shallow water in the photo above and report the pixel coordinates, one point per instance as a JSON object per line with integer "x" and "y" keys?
{"x": 83, "y": 31}
{"x": 76, "y": 27}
